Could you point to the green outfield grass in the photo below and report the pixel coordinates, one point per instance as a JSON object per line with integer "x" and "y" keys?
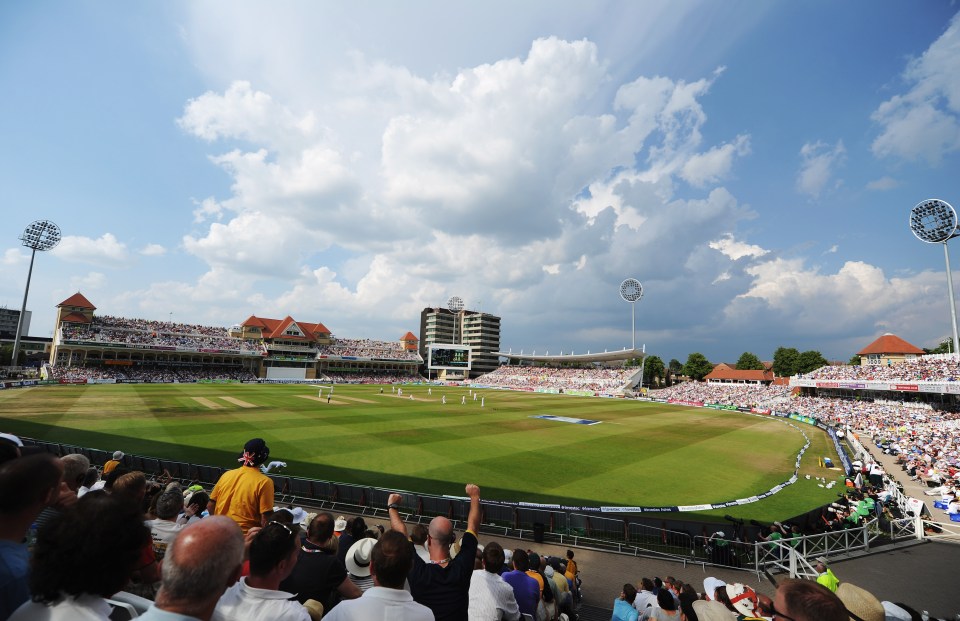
{"x": 639, "y": 454}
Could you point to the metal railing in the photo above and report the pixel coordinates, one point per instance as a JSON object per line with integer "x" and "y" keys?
{"x": 620, "y": 534}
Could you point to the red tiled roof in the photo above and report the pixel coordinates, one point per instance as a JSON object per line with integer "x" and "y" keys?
{"x": 736, "y": 375}
{"x": 409, "y": 337}
{"x": 76, "y": 318}
{"x": 77, "y": 300}
{"x": 274, "y": 328}
{"x": 890, "y": 344}
{"x": 253, "y": 322}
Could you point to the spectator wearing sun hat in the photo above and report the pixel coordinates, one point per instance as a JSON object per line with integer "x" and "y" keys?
{"x": 860, "y": 602}
{"x": 744, "y": 602}
{"x": 339, "y": 525}
{"x": 711, "y": 611}
{"x": 710, "y": 586}
{"x": 245, "y": 494}
{"x": 358, "y": 563}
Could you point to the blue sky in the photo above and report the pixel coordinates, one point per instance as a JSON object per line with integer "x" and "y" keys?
{"x": 752, "y": 164}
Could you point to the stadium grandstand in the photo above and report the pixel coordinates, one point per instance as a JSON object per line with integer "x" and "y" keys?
{"x": 598, "y": 374}
{"x": 103, "y": 348}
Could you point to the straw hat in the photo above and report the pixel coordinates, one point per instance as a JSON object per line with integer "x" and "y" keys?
{"x": 861, "y": 603}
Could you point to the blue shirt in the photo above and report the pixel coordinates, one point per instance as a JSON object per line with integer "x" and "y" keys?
{"x": 14, "y": 569}
{"x": 526, "y": 590}
{"x": 622, "y": 611}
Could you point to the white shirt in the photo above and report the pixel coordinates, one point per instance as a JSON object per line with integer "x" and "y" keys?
{"x": 644, "y": 599}
{"x": 491, "y": 599}
{"x": 163, "y": 533}
{"x": 83, "y": 608}
{"x": 380, "y": 604}
{"x": 242, "y": 602}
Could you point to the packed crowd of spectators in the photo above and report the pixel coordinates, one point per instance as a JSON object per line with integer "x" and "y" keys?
{"x": 107, "y": 329}
{"x": 923, "y": 369}
{"x": 925, "y": 439}
{"x": 823, "y": 599}
{"x": 175, "y": 550}
{"x": 368, "y": 348}
{"x": 527, "y": 377}
{"x": 150, "y": 373}
{"x": 372, "y": 378}
{"x": 740, "y": 395}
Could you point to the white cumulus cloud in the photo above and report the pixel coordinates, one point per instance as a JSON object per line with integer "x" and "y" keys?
{"x": 818, "y": 165}
{"x": 106, "y": 250}
{"x": 924, "y": 122}
{"x": 737, "y": 250}
{"x": 153, "y": 250}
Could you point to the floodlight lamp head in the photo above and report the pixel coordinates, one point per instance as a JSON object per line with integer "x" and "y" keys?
{"x": 631, "y": 290}
{"x": 455, "y": 304}
{"x": 933, "y": 221}
{"x": 41, "y": 235}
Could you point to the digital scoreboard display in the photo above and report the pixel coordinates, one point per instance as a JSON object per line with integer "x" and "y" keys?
{"x": 453, "y": 357}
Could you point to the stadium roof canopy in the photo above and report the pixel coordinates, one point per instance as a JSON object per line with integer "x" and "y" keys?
{"x": 607, "y": 356}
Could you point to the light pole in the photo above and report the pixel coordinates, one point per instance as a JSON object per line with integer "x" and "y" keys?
{"x": 934, "y": 221}
{"x": 455, "y": 304}
{"x": 631, "y": 291}
{"x": 41, "y": 235}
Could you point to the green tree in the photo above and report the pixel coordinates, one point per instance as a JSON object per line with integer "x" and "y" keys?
{"x": 810, "y": 361}
{"x": 697, "y": 366}
{"x": 674, "y": 368}
{"x": 749, "y": 362}
{"x": 653, "y": 371}
{"x": 945, "y": 347}
{"x": 854, "y": 360}
{"x": 786, "y": 361}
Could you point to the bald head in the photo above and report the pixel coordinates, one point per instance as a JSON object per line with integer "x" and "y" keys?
{"x": 201, "y": 563}
{"x": 441, "y": 531}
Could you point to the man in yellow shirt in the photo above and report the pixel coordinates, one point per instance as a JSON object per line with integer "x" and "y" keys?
{"x": 245, "y": 494}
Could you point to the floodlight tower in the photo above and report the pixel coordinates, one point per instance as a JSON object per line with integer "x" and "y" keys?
{"x": 631, "y": 291}
{"x": 934, "y": 221}
{"x": 455, "y": 304}
{"x": 41, "y": 235}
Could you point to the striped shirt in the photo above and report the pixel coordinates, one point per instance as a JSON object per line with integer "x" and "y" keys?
{"x": 491, "y": 599}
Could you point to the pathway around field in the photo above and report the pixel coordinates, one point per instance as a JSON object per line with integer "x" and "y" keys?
{"x": 213, "y": 405}
{"x": 235, "y": 401}
{"x": 323, "y": 400}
